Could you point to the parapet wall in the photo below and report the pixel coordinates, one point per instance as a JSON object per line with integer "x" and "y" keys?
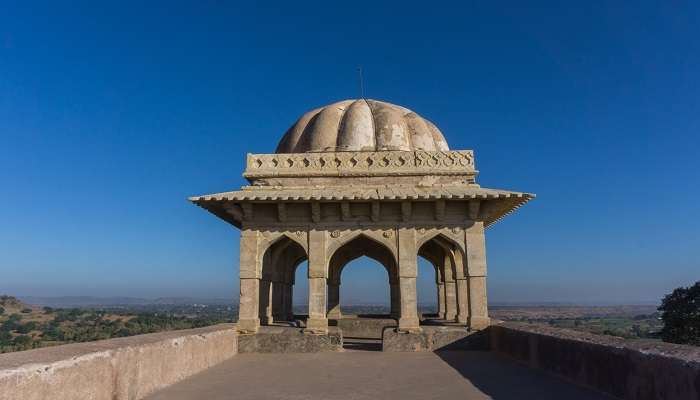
{"x": 117, "y": 369}
{"x": 638, "y": 370}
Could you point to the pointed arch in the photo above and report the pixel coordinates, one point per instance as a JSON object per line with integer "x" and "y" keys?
{"x": 281, "y": 256}
{"x": 353, "y": 246}
{"x": 357, "y": 246}
{"x": 385, "y": 238}
{"x": 443, "y": 236}
{"x": 272, "y": 237}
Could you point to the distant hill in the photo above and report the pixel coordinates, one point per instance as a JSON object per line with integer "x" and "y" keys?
{"x": 89, "y": 301}
{"x": 13, "y": 305}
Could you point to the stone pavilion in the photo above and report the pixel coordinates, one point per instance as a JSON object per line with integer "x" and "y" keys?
{"x": 362, "y": 178}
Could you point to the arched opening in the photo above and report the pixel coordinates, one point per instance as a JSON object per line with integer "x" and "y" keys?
{"x": 448, "y": 284}
{"x": 279, "y": 267}
{"x": 427, "y": 290}
{"x": 361, "y": 246}
{"x": 364, "y": 288}
{"x": 300, "y": 289}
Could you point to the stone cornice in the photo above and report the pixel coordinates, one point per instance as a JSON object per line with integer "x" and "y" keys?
{"x": 376, "y": 163}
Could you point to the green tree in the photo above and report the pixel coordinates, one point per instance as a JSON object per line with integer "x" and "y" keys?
{"x": 681, "y": 316}
{"x": 27, "y": 327}
{"x": 5, "y": 338}
{"x": 22, "y": 342}
{"x": 2, "y": 311}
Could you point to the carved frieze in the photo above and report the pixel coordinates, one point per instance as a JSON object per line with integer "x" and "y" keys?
{"x": 360, "y": 163}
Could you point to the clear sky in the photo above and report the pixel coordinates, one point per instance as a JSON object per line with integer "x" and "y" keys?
{"x": 111, "y": 114}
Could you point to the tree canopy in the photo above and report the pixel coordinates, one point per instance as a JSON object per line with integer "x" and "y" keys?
{"x": 681, "y": 316}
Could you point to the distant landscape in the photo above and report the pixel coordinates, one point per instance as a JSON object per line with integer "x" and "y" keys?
{"x": 33, "y": 322}
{"x": 24, "y": 326}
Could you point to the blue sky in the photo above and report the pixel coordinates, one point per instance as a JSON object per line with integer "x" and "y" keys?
{"x": 111, "y": 114}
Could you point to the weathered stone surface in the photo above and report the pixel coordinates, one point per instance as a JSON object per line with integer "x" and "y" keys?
{"x": 117, "y": 369}
{"x": 361, "y": 125}
{"x": 639, "y": 370}
{"x": 445, "y": 375}
{"x": 277, "y": 339}
{"x": 363, "y": 327}
{"x": 433, "y": 338}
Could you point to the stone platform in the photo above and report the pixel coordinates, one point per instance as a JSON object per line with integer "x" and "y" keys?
{"x": 523, "y": 362}
{"x": 373, "y": 375}
{"x": 288, "y": 339}
{"x": 377, "y": 331}
{"x": 432, "y": 338}
{"x": 363, "y": 326}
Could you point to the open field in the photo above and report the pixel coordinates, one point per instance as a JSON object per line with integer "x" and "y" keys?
{"x": 626, "y": 321}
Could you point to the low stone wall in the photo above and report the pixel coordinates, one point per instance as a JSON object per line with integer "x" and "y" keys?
{"x": 117, "y": 369}
{"x": 363, "y": 327}
{"x": 638, "y": 370}
{"x": 434, "y": 338}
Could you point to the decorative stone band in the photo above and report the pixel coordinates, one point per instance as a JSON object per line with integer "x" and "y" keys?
{"x": 377, "y": 163}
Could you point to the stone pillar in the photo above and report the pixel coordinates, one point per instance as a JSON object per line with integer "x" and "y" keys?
{"x": 450, "y": 300}
{"x": 334, "y": 301}
{"x": 462, "y": 286}
{"x": 265, "y": 302}
{"x": 250, "y": 270}
{"x": 395, "y": 296}
{"x": 248, "y": 321}
{"x": 476, "y": 269}
{"x": 318, "y": 273}
{"x": 288, "y": 301}
{"x": 462, "y": 301}
{"x": 441, "y": 300}
{"x": 278, "y": 301}
{"x": 408, "y": 271}
{"x": 450, "y": 290}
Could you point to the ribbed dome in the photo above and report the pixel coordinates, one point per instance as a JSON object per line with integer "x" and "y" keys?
{"x": 361, "y": 125}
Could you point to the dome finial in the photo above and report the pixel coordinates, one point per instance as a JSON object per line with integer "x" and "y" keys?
{"x": 362, "y": 84}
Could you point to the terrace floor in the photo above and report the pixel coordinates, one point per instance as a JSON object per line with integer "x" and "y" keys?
{"x": 373, "y": 375}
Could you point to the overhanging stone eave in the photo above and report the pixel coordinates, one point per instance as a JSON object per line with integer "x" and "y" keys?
{"x": 501, "y": 214}
{"x": 266, "y": 194}
{"x": 216, "y": 208}
{"x": 501, "y": 203}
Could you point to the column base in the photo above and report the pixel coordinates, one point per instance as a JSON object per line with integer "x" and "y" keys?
{"x": 462, "y": 319}
{"x": 247, "y": 326}
{"x": 316, "y": 326}
{"x": 408, "y": 325}
{"x": 478, "y": 323}
{"x": 335, "y": 315}
{"x": 267, "y": 320}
